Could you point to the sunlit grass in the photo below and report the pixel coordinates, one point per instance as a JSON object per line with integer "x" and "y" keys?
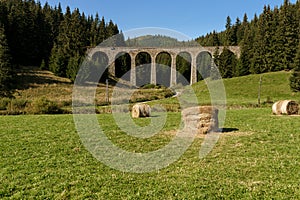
{"x": 257, "y": 158}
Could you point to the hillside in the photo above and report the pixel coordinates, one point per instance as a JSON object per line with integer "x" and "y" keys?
{"x": 243, "y": 91}
{"x": 34, "y": 84}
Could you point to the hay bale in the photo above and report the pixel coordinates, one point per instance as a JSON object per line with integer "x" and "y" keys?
{"x": 141, "y": 110}
{"x": 286, "y": 107}
{"x": 203, "y": 119}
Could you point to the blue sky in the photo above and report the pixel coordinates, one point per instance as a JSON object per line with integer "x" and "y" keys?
{"x": 190, "y": 17}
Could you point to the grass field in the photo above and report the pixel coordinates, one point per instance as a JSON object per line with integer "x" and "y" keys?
{"x": 258, "y": 157}
{"x": 243, "y": 91}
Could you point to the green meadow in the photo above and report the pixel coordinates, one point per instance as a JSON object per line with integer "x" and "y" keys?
{"x": 256, "y": 157}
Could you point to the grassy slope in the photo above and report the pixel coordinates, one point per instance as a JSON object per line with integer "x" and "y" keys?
{"x": 240, "y": 91}
{"x": 33, "y": 83}
{"x": 244, "y": 90}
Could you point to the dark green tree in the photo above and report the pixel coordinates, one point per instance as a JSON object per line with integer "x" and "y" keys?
{"x": 73, "y": 66}
{"x": 71, "y": 44}
{"x": 246, "y": 46}
{"x": 58, "y": 61}
{"x": 295, "y": 77}
{"x": 5, "y": 65}
{"x": 287, "y": 35}
{"x": 227, "y": 63}
{"x": 230, "y": 32}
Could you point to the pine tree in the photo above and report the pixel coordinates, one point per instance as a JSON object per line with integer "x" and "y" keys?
{"x": 295, "y": 77}
{"x": 5, "y": 65}
{"x": 239, "y": 31}
{"x": 70, "y": 41}
{"x": 227, "y": 63}
{"x": 58, "y": 61}
{"x": 228, "y": 32}
{"x": 73, "y": 66}
{"x": 215, "y": 39}
{"x": 287, "y": 35}
{"x": 102, "y": 31}
{"x": 94, "y": 33}
{"x": 246, "y": 52}
{"x": 214, "y": 72}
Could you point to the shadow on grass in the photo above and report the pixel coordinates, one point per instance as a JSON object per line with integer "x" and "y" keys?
{"x": 228, "y": 130}
{"x": 28, "y": 77}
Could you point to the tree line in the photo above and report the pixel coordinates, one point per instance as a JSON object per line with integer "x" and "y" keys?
{"x": 36, "y": 35}
{"x": 270, "y": 42}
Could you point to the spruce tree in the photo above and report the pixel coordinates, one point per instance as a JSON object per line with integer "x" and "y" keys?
{"x": 287, "y": 35}
{"x": 228, "y": 32}
{"x": 246, "y": 52}
{"x": 295, "y": 77}
{"x": 227, "y": 63}
{"x": 58, "y": 61}
{"x": 5, "y": 65}
{"x": 73, "y": 66}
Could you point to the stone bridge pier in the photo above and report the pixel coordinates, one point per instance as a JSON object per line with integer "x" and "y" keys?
{"x": 194, "y": 52}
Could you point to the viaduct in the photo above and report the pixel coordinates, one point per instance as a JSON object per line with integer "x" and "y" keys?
{"x": 112, "y": 53}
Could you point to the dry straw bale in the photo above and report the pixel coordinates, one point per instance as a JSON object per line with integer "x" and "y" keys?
{"x": 286, "y": 107}
{"x": 203, "y": 119}
{"x": 141, "y": 110}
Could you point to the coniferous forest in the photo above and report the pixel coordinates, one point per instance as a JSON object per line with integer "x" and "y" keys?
{"x": 32, "y": 34}
{"x": 269, "y": 42}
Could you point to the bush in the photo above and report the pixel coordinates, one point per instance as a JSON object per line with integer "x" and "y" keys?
{"x": 148, "y": 86}
{"x": 44, "y": 106}
{"x": 169, "y": 93}
{"x": 17, "y": 106}
{"x": 4, "y": 103}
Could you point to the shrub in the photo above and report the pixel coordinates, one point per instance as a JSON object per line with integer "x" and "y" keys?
{"x": 17, "y": 106}
{"x": 4, "y": 103}
{"x": 44, "y": 106}
{"x": 148, "y": 86}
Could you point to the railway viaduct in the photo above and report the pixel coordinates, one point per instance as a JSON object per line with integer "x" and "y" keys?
{"x": 111, "y": 54}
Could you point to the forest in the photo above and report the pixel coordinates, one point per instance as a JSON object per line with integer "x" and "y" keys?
{"x": 270, "y": 42}
{"x": 32, "y": 34}
{"x": 36, "y": 35}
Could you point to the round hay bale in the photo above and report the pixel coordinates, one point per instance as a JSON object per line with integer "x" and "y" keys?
{"x": 286, "y": 107}
{"x": 141, "y": 110}
{"x": 203, "y": 119}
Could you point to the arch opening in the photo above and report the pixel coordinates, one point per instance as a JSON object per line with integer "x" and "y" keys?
{"x": 143, "y": 68}
{"x": 123, "y": 65}
{"x": 204, "y": 65}
{"x": 183, "y": 67}
{"x": 163, "y": 69}
{"x": 98, "y": 65}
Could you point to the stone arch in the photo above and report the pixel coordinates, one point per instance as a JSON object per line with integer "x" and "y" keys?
{"x": 204, "y": 62}
{"x": 100, "y": 57}
{"x": 183, "y": 67}
{"x": 99, "y": 65}
{"x": 143, "y": 68}
{"x": 123, "y": 65}
{"x": 163, "y": 62}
